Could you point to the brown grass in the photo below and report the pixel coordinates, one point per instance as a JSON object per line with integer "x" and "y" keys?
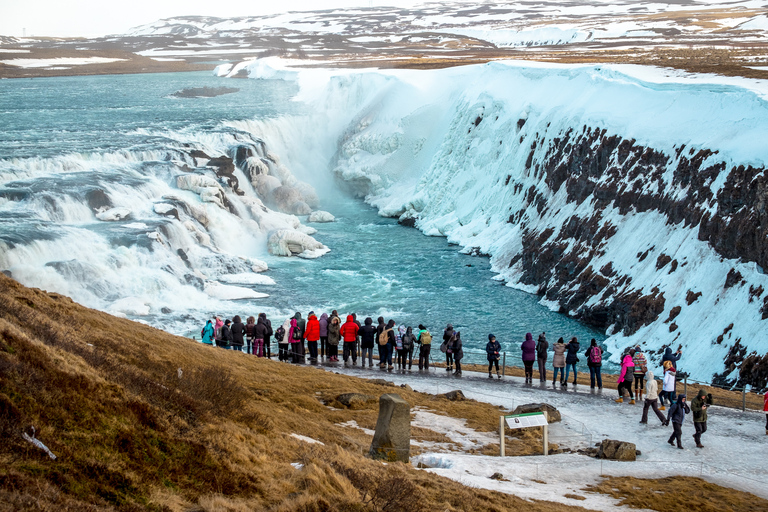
{"x": 678, "y": 494}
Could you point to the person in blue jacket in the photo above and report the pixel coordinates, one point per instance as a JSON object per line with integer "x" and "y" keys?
{"x": 207, "y": 333}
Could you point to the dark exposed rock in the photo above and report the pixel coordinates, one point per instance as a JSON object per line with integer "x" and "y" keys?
{"x": 553, "y": 415}
{"x": 409, "y": 222}
{"x": 662, "y": 260}
{"x": 733, "y": 278}
{"x": 382, "y": 382}
{"x": 673, "y": 314}
{"x": 98, "y": 200}
{"x": 355, "y": 400}
{"x": 617, "y": 450}
{"x": 691, "y": 297}
{"x": 455, "y": 395}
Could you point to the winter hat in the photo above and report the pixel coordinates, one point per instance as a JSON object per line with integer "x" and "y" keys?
{"x": 401, "y": 329}
{"x": 528, "y": 337}
{"x": 491, "y": 337}
{"x": 701, "y": 393}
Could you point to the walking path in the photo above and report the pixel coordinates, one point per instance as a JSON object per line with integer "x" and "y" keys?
{"x": 734, "y": 453}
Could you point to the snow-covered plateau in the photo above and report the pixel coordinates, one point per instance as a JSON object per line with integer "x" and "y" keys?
{"x": 632, "y": 198}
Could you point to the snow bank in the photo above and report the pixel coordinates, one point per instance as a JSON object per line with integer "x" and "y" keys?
{"x": 227, "y": 292}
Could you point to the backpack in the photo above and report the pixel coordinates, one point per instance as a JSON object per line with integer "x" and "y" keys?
{"x": 426, "y": 338}
{"x": 296, "y": 335}
{"x": 384, "y": 336}
{"x": 596, "y": 356}
{"x": 279, "y": 334}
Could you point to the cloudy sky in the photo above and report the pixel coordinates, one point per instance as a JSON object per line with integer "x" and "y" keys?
{"x": 70, "y": 18}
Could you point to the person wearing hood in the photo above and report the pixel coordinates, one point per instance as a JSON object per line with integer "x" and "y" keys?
{"x": 765, "y": 410}
{"x": 447, "y": 335}
{"x": 699, "y": 407}
{"x": 594, "y": 355}
{"x": 367, "y": 341}
{"x": 301, "y": 324}
{"x": 672, "y": 358}
{"x": 457, "y": 351}
{"x": 217, "y": 325}
{"x": 669, "y": 384}
{"x": 267, "y": 338}
{"x": 641, "y": 367}
{"x": 399, "y": 347}
{"x": 226, "y": 335}
{"x": 349, "y": 335}
{"x": 493, "y": 352}
{"x": 425, "y": 342}
{"x": 389, "y": 337}
{"x": 259, "y": 334}
{"x": 294, "y": 336}
{"x": 676, "y": 415}
{"x": 323, "y": 322}
{"x": 409, "y": 342}
{"x": 281, "y": 335}
{"x": 571, "y": 358}
{"x": 334, "y": 337}
{"x": 529, "y": 356}
{"x": 238, "y": 333}
{"x": 312, "y": 335}
{"x": 250, "y": 325}
{"x": 625, "y": 377}
{"x": 541, "y": 356}
{"x": 558, "y": 362}
{"x": 381, "y": 341}
{"x": 207, "y": 333}
{"x": 651, "y": 399}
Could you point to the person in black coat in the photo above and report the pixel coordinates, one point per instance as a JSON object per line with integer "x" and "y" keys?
{"x": 457, "y": 350}
{"x": 542, "y": 345}
{"x": 382, "y": 347}
{"x": 447, "y": 334}
{"x": 672, "y": 358}
{"x": 238, "y": 333}
{"x": 226, "y": 335}
{"x": 493, "y": 352}
{"x": 676, "y": 415}
{"x": 571, "y": 358}
{"x": 367, "y": 340}
{"x": 270, "y": 332}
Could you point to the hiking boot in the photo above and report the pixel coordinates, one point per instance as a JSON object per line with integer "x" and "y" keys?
{"x": 680, "y": 447}
{"x": 490, "y": 376}
{"x": 662, "y": 408}
{"x": 699, "y": 445}
{"x": 619, "y": 400}
{"x": 671, "y": 442}
{"x": 632, "y": 402}
{"x": 499, "y": 376}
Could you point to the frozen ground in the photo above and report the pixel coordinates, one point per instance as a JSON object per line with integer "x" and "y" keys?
{"x": 734, "y": 453}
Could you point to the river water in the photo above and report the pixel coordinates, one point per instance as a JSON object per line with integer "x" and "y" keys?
{"x": 62, "y": 138}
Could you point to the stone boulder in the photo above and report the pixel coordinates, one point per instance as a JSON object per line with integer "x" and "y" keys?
{"x": 553, "y": 415}
{"x": 290, "y": 242}
{"x": 617, "y": 450}
{"x": 456, "y": 395}
{"x": 321, "y": 216}
{"x": 355, "y": 400}
{"x": 392, "y": 440}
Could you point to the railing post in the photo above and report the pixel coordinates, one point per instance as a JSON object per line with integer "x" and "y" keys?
{"x": 503, "y": 364}
{"x": 685, "y": 385}
{"x": 744, "y": 398}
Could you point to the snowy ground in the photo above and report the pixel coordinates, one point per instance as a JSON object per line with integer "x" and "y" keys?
{"x": 734, "y": 453}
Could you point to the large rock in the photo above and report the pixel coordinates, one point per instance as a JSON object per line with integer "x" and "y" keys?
{"x": 553, "y": 415}
{"x": 456, "y": 395}
{"x": 321, "y": 216}
{"x": 617, "y": 450}
{"x": 289, "y": 242}
{"x": 392, "y": 440}
{"x": 355, "y": 400}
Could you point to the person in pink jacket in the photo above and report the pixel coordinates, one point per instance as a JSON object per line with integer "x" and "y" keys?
{"x": 626, "y": 377}
{"x": 765, "y": 408}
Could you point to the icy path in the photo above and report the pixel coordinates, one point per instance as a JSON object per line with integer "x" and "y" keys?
{"x": 734, "y": 453}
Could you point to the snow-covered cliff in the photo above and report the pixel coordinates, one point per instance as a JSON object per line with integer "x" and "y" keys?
{"x": 632, "y": 198}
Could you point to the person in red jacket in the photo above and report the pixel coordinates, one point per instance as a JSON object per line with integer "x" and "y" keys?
{"x": 349, "y": 335}
{"x": 312, "y": 335}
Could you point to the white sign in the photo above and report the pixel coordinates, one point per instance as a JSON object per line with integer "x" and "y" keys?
{"x": 534, "y": 419}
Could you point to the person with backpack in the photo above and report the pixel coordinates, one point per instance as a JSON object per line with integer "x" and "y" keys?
{"x": 493, "y": 352}
{"x": 541, "y": 356}
{"x": 259, "y": 334}
{"x": 207, "y": 333}
{"x": 367, "y": 341}
{"x": 387, "y": 344}
{"x": 558, "y": 361}
{"x": 267, "y": 338}
{"x": 323, "y": 322}
{"x": 250, "y": 325}
{"x": 594, "y": 355}
{"x": 676, "y": 415}
{"x": 296, "y": 340}
{"x": 457, "y": 351}
{"x": 334, "y": 337}
{"x": 301, "y": 325}
{"x": 669, "y": 384}
{"x": 282, "y": 344}
{"x": 380, "y": 327}
{"x": 641, "y": 367}
{"x": 651, "y": 397}
{"x": 447, "y": 335}
{"x": 399, "y": 352}
{"x": 409, "y": 342}
{"x": 312, "y": 335}
{"x": 425, "y": 342}
{"x": 226, "y": 335}
{"x": 699, "y": 407}
{"x": 571, "y": 358}
{"x": 529, "y": 356}
{"x": 348, "y": 333}
{"x": 625, "y": 377}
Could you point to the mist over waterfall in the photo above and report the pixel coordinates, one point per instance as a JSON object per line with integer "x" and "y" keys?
{"x": 628, "y": 197}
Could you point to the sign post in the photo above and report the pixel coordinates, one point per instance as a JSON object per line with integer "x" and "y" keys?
{"x": 531, "y": 419}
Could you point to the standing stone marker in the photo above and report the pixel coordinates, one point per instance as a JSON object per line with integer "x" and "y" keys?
{"x": 392, "y": 440}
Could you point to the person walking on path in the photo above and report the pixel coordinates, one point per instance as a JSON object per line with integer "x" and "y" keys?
{"x": 207, "y": 333}
{"x": 676, "y": 415}
{"x": 571, "y": 358}
{"x": 641, "y": 367}
{"x": 409, "y": 341}
{"x": 594, "y": 355}
{"x": 259, "y": 335}
{"x": 529, "y": 356}
{"x": 367, "y": 340}
{"x": 493, "y": 350}
{"x": 669, "y": 384}
{"x": 541, "y": 356}
{"x": 334, "y": 337}
{"x": 558, "y": 361}
{"x": 425, "y": 342}
{"x": 312, "y": 336}
{"x": 457, "y": 351}
{"x": 349, "y": 335}
{"x": 699, "y": 408}
{"x": 323, "y": 322}
{"x": 651, "y": 399}
{"x": 625, "y": 377}
{"x": 447, "y": 335}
